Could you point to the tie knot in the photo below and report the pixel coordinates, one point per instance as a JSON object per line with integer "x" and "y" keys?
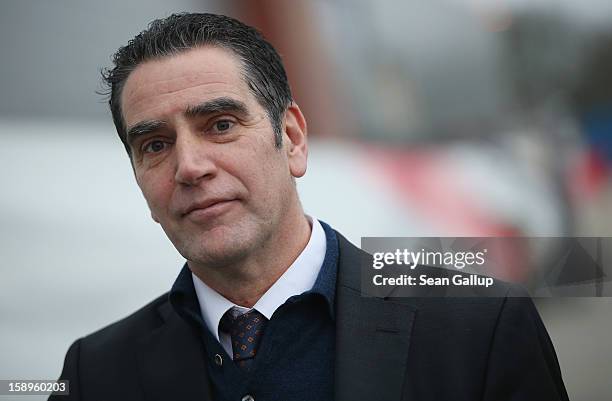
{"x": 245, "y": 331}
{"x": 230, "y": 323}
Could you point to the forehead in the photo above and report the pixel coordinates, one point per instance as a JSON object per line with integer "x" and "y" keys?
{"x": 158, "y": 89}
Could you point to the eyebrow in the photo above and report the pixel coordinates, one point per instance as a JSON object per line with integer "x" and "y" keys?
{"x": 143, "y": 128}
{"x": 218, "y": 105}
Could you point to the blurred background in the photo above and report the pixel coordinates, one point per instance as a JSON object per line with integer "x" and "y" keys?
{"x": 426, "y": 118}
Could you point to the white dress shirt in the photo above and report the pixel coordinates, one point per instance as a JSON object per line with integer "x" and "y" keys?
{"x": 298, "y": 278}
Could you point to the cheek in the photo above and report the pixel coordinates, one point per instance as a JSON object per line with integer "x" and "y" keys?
{"x": 251, "y": 162}
{"x": 267, "y": 168}
{"x": 157, "y": 192}
{"x": 273, "y": 178}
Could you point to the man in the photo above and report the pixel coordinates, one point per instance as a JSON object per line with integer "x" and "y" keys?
{"x": 268, "y": 305}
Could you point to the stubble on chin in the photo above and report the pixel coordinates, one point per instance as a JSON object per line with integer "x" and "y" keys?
{"x": 223, "y": 246}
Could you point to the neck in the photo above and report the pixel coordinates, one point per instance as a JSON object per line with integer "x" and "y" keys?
{"x": 245, "y": 282}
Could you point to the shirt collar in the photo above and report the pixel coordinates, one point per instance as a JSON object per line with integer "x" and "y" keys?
{"x": 297, "y": 279}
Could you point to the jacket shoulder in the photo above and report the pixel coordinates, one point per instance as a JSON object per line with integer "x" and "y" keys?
{"x": 350, "y": 276}
{"x": 139, "y": 323}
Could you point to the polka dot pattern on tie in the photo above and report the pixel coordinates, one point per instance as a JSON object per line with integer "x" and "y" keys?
{"x": 245, "y": 331}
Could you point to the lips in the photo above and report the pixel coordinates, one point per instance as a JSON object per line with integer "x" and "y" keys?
{"x": 208, "y": 204}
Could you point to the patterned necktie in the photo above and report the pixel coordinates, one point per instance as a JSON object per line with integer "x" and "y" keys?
{"x": 246, "y": 331}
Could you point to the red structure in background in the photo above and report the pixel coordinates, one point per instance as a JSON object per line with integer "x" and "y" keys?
{"x": 292, "y": 27}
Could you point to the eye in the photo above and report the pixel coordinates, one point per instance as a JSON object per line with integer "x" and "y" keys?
{"x": 154, "y": 146}
{"x": 222, "y": 126}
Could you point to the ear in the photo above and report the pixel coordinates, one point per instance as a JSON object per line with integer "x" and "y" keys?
{"x": 295, "y": 140}
{"x": 154, "y": 217}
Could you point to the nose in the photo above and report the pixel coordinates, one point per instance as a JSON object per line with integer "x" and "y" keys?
{"x": 193, "y": 161}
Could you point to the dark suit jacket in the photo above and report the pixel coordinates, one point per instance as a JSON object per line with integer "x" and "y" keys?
{"x": 386, "y": 349}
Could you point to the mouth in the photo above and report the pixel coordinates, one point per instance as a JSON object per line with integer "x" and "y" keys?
{"x": 209, "y": 209}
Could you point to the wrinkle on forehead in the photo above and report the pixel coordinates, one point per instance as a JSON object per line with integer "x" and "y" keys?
{"x": 139, "y": 87}
{"x": 177, "y": 101}
{"x": 199, "y": 73}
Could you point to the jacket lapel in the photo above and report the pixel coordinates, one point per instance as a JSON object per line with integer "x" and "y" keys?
{"x": 372, "y": 336}
{"x": 171, "y": 362}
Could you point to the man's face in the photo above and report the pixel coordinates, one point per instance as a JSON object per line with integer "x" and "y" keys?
{"x": 204, "y": 157}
